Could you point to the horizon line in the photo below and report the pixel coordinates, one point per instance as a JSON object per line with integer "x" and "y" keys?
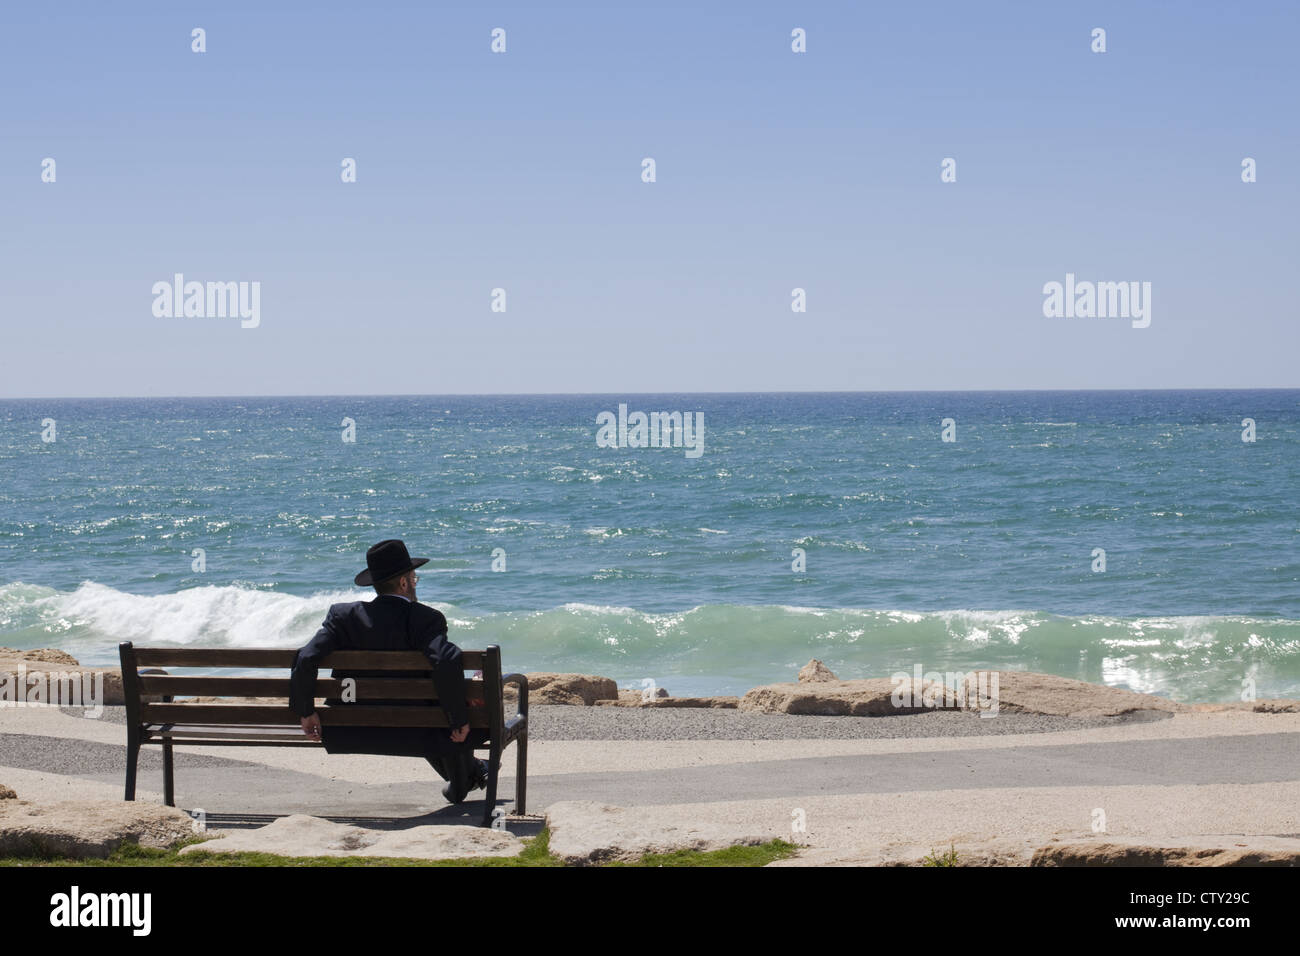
{"x": 881, "y": 391}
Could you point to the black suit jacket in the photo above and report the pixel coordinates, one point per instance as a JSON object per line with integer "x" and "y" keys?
{"x": 389, "y": 622}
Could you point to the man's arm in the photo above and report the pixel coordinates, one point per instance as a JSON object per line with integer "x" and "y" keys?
{"x": 302, "y": 678}
{"x": 448, "y": 673}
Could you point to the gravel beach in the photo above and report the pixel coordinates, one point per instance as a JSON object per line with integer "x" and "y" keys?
{"x": 555, "y": 722}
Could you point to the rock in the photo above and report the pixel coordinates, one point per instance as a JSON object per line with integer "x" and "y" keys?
{"x": 715, "y": 702}
{"x": 815, "y": 671}
{"x": 87, "y": 829}
{"x": 586, "y": 832}
{"x": 1018, "y": 692}
{"x": 628, "y": 697}
{"x": 1008, "y": 852}
{"x": 1275, "y": 705}
{"x": 49, "y": 655}
{"x": 1184, "y": 851}
{"x": 557, "y": 695}
{"x": 576, "y": 689}
{"x": 20, "y": 673}
{"x": 1025, "y": 692}
{"x": 660, "y": 702}
{"x": 632, "y": 693}
{"x": 6, "y": 793}
{"x": 1268, "y": 706}
{"x": 873, "y": 697}
{"x": 302, "y": 835}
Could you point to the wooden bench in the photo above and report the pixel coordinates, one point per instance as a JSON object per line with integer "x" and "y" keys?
{"x": 154, "y": 716}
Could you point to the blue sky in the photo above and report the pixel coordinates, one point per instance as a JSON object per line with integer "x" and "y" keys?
{"x": 522, "y": 171}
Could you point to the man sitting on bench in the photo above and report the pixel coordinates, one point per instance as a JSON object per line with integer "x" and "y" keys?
{"x": 394, "y": 620}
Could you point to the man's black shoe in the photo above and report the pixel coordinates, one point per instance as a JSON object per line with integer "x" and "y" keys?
{"x": 480, "y": 776}
{"x": 459, "y": 782}
{"x": 458, "y": 788}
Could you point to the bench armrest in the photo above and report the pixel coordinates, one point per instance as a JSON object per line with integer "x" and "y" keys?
{"x": 520, "y": 681}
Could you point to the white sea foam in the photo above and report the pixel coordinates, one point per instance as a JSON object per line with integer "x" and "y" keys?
{"x": 98, "y": 617}
{"x": 727, "y": 644}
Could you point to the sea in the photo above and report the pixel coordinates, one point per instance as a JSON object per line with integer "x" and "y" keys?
{"x": 1147, "y": 540}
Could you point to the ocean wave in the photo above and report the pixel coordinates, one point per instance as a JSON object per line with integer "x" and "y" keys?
{"x": 717, "y": 648}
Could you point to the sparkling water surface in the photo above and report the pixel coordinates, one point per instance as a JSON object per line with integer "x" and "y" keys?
{"x": 645, "y": 563}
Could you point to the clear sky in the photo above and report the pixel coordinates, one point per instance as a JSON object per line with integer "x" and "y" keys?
{"x": 522, "y": 171}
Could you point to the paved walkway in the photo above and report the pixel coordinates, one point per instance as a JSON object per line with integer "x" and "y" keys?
{"x": 1188, "y": 774}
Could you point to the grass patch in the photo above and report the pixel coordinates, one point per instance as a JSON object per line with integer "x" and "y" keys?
{"x": 759, "y": 855}
{"x": 941, "y": 859}
{"x": 537, "y": 852}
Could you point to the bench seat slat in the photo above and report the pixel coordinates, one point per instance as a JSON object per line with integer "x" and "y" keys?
{"x": 201, "y": 741}
{"x": 248, "y": 732}
{"x": 217, "y": 735}
{"x": 340, "y": 715}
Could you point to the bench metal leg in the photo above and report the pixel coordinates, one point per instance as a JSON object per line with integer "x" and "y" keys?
{"x": 490, "y": 801}
{"x": 132, "y": 758}
{"x": 521, "y": 775}
{"x": 169, "y": 780}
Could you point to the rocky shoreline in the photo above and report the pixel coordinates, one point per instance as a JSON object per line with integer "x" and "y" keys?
{"x": 816, "y": 692}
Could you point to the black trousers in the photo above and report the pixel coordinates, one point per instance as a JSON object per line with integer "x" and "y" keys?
{"x": 451, "y": 760}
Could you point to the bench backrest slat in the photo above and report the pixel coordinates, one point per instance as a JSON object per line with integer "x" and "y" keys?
{"x": 283, "y": 659}
{"x": 340, "y": 715}
{"x": 366, "y": 688}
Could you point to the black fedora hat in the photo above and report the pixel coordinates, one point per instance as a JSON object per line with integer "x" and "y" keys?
{"x": 387, "y": 560}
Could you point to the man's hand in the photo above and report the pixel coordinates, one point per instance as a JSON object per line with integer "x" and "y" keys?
{"x": 311, "y": 726}
{"x": 476, "y": 701}
{"x": 458, "y": 735}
